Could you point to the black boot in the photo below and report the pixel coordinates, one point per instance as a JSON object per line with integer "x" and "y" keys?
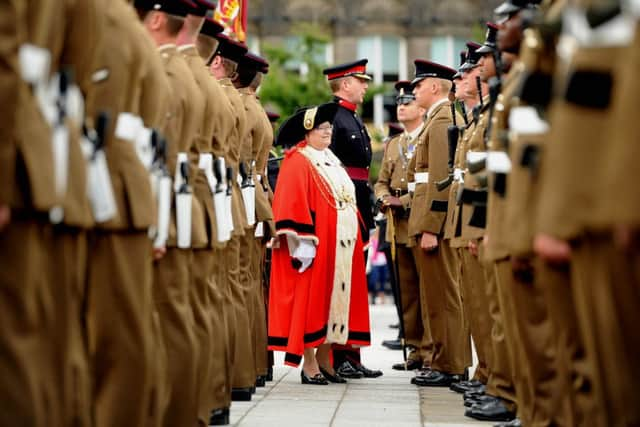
{"x": 241, "y": 394}
{"x": 492, "y": 411}
{"x": 219, "y": 417}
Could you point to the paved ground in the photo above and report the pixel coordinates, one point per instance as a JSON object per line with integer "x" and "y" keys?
{"x": 387, "y": 401}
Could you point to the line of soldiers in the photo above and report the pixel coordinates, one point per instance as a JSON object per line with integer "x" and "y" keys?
{"x": 133, "y": 215}
{"x": 514, "y": 218}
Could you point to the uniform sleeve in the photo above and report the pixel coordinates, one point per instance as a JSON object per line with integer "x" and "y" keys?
{"x": 382, "y": 186}
{"x": 155, "y": 89}
{"x": 10, "y": 80}
{"x": 222, "y": 119}
{"x": 437, "y": 201}
{"x": 83, "y": 35}
{"x": 292, "y": 210}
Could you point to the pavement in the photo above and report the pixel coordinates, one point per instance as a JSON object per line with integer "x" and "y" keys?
{"x": 386, "y": 401}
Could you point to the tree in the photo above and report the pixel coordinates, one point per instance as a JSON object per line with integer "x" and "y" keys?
{"x": 295, "y": 77}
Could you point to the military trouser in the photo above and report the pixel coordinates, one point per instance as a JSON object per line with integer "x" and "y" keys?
{"x": 574, "y": 403}
{"x": 25, "y": 310}
{"x": 259, "y": 326}
{"x": 417, "y": 333}
{"x": 68, "y": 256}
{"x": 219, "y": 377}
{"x": 120, "y": 327}
{"x": 474, "y": 286}
{"x": 172, "y": 282}
{"x": 606, "y": 289}
{"x": 501, "y": 382}
{"x": 537, "y": 350}
{"x": 243, "y": 372}
{"x": 199, "y": 296}
{"x": 441, "y": 307}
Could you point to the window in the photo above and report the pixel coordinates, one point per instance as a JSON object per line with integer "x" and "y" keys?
{"x": 445, "y": 50}
{"x": 386, "y": 54}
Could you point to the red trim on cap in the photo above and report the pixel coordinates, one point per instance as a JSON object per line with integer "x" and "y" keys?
{"x": 348, "y": 105}
{"x": 358, "y": 69}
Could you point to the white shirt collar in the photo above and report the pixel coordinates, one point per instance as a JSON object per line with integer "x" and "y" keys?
{"x": 166, "y": 46}
{"x": 414, "y": 133}
{"x": 436, "y": 105}
{"x": 184, "y": 47}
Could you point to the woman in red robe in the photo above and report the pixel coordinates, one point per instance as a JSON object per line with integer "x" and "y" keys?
{"x": 318, "y": 293}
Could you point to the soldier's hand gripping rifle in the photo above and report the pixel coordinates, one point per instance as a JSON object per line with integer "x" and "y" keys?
{"x": 453, "y": 134}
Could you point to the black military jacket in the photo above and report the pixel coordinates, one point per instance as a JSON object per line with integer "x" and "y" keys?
{"x": 352, "y": 145}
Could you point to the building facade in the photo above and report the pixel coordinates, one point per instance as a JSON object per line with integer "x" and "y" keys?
{"x": 390, "y": 33}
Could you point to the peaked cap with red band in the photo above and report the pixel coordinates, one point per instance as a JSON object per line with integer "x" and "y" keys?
{"x": 356, "y": 69}
{"x": 425, "y": 69}
{"x": 202, "y": 7}
{"x": 229, "y": 48}
{"x": 491, "y": 40}
{"x": 180, "y": 8}
{"x": 211, "y": 28}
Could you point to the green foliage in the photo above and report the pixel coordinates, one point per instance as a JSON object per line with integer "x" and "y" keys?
{"x": 287, "y": 88}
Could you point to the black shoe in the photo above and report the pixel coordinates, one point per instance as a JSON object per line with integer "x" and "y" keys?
{"x": 434, "y": 379}
{"x": 241, "y": 394}
{"x": 392, "y": 344}
{"x": 513, "y": 423}
{"x": 492, "y": 411}
{"x": 347, "y": 370}
{"x": 269, "y": 376}
{"x": 461, "y": 377}
{"x": 464, "y": 386}
{"x": 410, "y": 365}
{"x": 368, "y": 373}
{"x": 471, "y": 394}
{"x": 317, "y": 379}
{"x": 261, "y": 381}
{"x": 395, "y": 326}
{"x": 219, "y": 417}
{"x": 333, "y": 378}
{"x": 422, "y": 372}
{"x": 480, "y": 400}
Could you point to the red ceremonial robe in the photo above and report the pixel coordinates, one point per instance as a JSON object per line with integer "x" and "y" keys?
{"x": 300, "y": 303}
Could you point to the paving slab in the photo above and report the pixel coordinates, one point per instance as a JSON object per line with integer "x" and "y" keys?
{"x": 388, "y": 401}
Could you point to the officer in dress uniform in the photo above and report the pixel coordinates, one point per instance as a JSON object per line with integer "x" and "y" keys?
{"x": 351, "y": 143}
{"x": 392, "y": 192}
{"x": 472, "y": 284}
{"x": 173, "y": 275}
{"x": 120, "y": 308}
{"x": 587, "y": 222}
{"x": 250, "y": 74}
{"x": 223, "y": 66}
{"x": 438, "y": 285}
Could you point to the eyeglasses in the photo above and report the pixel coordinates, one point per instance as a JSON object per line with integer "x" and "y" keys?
{"x": 324, "y": 128}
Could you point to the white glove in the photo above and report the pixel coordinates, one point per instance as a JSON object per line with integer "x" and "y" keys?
{"x": 306, "y": 262}
{"x": 303, "y": 250}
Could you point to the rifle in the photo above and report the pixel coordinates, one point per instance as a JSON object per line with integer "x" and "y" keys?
{"x": 478, "y": 108}
{"x": 453, "y": 134}
{"x": 463, "y": 109}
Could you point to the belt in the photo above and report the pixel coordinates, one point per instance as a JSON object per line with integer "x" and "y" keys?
{"x": 469, "y": 196}
{"x": 361, "y": 174}
{"x": 422, "y": 177}
{"x": 398, "y": 192}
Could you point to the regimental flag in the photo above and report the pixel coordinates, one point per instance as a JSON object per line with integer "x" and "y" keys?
{"x": 232, "y": 14}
